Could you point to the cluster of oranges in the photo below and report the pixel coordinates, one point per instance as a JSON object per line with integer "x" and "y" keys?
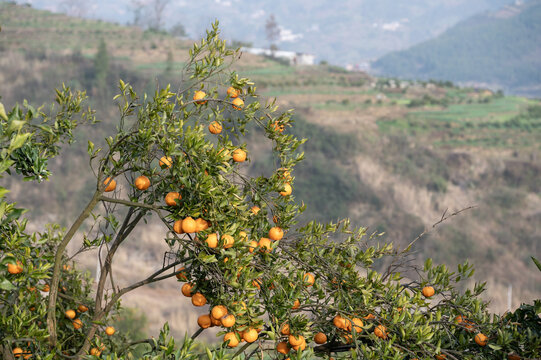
{"x": 15, "y": 269}
{"x": 233, "y": 93}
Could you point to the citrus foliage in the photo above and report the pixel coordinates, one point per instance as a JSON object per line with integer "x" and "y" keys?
{"x": 302, "y": 291}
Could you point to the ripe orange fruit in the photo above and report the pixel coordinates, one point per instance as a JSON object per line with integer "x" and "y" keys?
{"x": 257, "y": 283}
{"x": 215, "y": 128}
{"x": 171, "y": 197}
{"x": 276, "y": 233}
{"x": 17, "y": 351}
{"x": 204, "y": 321}
{"x": 187, "y": 289}
{"x": 212, "y": 240}
{"x": 239, "y": 155}
{"x": 252, "y": 246}
{"x": 250, "y": 335}
{"x": 284, "y": 330}
{"x": 198, "y": 299}
{"x": 218, "y": 312}
{"x": 181, "y": 275}
{"x": 77, "y": 324}
{"x": 228, "y": 320}
{"x": 243, "y": 235}
{"x": 308, "y": 279}
{"x": 441, "y": 357}
{"x": 46, "y": 288}
{"x": 341, "y": 322}
{"x": 232, "y": 92}
{"x": 198, "y": 95}
{"x": 189, "y": 225}
{"x": 109, "y": 330}
{"x": 287, "y": 190}
{"x": 177, "y": 227}
{"x": 357, "y": 324}
{"x": 201, "y": 225}
{"x": 282, "y": 347}
{"x": 70, "y": 314}
{"x": 14, "y": 269}
{"x": 215, "y": 322}
{"x": 228, "y": 240}
{"x": 296, "y": 340}
{"x": 369, "y": 317}
{"x": 238, "y": 104}
{"x": 320, "y": 338}
{"x": 82, "y": 308}
{"x": 142, "y": 182}
{"x": 233, "y": 340}
{"x": 381, "y": 331}
{"x": 255, "y": 209}
{"x": 428, "y": 291}
{"x": 296, "y": 304}
{"x": 166, "y": 162}
{"x": 95, "y": 352}
{"x": 110, "y": 184}
{"x": 265, "y": 244}
{"x": 348, "y": 338}
{"x": 481, "y": 339}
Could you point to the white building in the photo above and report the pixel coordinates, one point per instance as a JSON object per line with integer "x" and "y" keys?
{"x": 294, "y": 58}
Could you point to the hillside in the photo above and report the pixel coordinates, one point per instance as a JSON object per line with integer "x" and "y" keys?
{"x": 380, "y": 26}
{"x": 501, "y": 49}
{"x": 392, "y": 156}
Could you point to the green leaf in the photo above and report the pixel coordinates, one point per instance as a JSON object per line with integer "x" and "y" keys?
{"x": 19, "y": 141}
{"x": 3, "y": 114}
{"x": 537, "y": 263}
{"x": 6, "y": 285}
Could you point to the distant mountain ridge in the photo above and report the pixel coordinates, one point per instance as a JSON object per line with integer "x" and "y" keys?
{"x": 500, "y": 49}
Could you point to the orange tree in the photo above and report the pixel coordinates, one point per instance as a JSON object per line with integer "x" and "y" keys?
{"x": 273, "y": 286}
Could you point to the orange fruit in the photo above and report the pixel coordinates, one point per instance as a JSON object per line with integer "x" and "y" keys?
{"x": 243, "y": 235}
{"x": 109, "y": 330}
{"x": 201, "y": 225}
{"x": 340, "y": 322}
{"x": 189, "y": 225}
{"x": 257, "y": 283}
{"x": 252, "y": 246}
{"x": 428, "y": 291}
{"x": 284, "y": 330}
{"x": 14, "y": 269}
{"x": 181, "y": 275}
{"x": 308, "y": 279}
{"x": 250, "y": 335}
{"x": 296, "y": 304}
{"x": 166, "y": 162}
{"x": 228, "y": 320}
{"x": 77, "y": 324}
{"x": 441, "y": 357}
{"x": 255, "y": 209}
{"x": 142, "y": 182}
{"x": 228, "y": 240}
{"x": 265, "y": 244}
{"x": 348, "y": 338}
{"x": 320, "y": 338}
{"x": 46, "y": 288}
{"x": 233, "y": 340}
{"x": 357, "y": 324}
{"x": 70, "y": 314}
{"x": 215, "y": 322}
{"x": 287, "y": 190}
{"x": 276, "y": 233}
{"x": 218, "y": 312}
{"x": 198, "y": 95}
{"x": 204, "y": 321}
{"x": 481, "y": 339}
{"x": 171, "y": 197}
{"x": 296, "y": 340}
{"x": 215, "y": 128}
{"x": 212, "y": 240}
{"x": 381, "y": 331}
{"x": 177, "y": 227}
{"x": 239, "y": 155}
{"x": 17, "y": 351}
{"x": 198, "y": 299}
{"x": 282, "y": 347}
{"x": 232, "y": 92}
{"x": 110, "y": 184}
{"x": 238, "y": 104}
{"x": 95, "y": 352}
{"x": 187, "y": 289}
{"x": 82, "y": 308}
{"x": 369, "y": 317}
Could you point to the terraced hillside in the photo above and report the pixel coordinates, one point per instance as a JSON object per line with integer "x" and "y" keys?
{"x": 393, "y": 156}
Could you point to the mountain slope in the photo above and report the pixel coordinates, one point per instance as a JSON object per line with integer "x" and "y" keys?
{"x": 499, "y": 48}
